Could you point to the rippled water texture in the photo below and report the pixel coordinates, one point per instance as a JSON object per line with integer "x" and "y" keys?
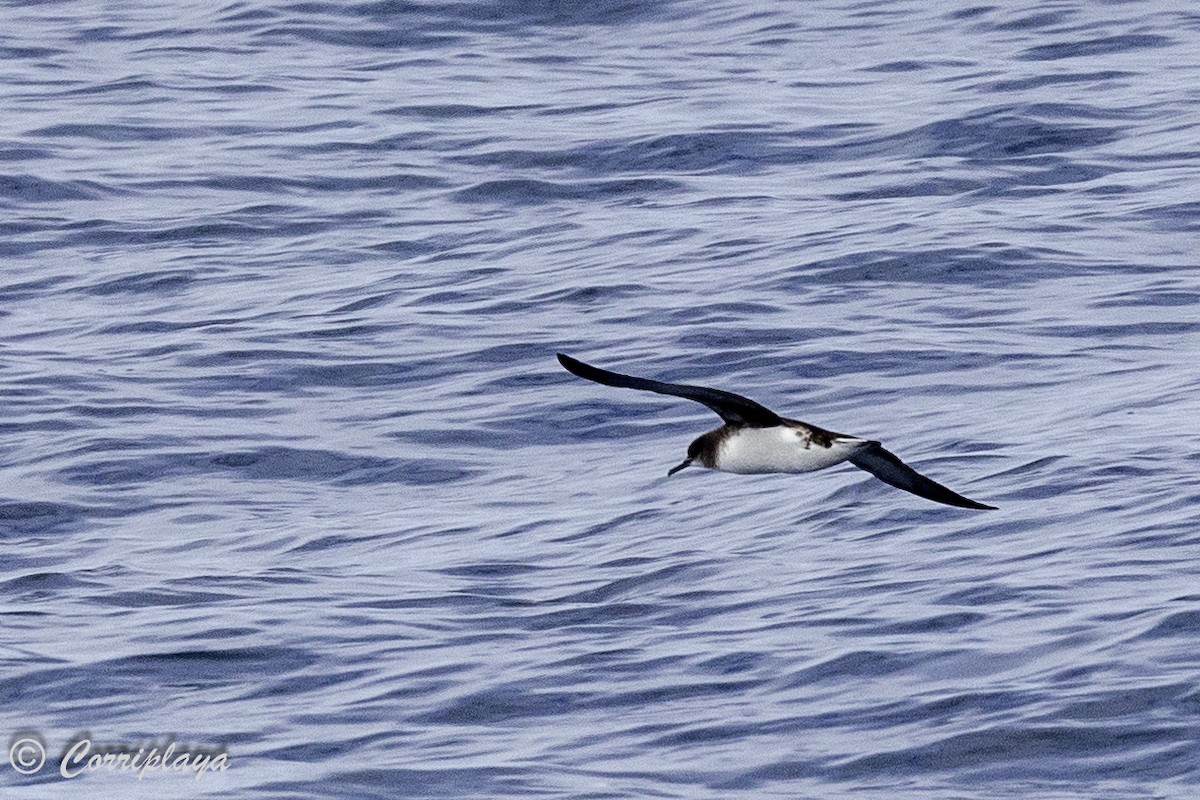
{"x": 289, "y": 467}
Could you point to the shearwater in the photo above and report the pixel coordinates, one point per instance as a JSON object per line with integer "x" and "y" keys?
{"x": 756, "y": 440}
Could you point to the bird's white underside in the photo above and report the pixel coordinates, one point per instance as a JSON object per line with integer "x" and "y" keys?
{"x": 781, "y": 448}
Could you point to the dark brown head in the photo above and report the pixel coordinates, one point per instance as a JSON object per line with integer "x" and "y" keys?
{"x": 703, "y": 449}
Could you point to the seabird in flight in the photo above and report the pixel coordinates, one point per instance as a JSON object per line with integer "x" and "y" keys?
{"x": 756, "y": 440}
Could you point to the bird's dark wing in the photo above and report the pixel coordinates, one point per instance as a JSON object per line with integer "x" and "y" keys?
{"x": 733, "y": 408}
{"x": 891, "y": 470}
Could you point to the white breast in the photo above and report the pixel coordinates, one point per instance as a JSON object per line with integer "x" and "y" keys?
{"x": 780, "y": 449}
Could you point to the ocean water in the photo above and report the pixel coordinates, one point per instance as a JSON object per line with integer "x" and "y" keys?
{"x": 289, "y": 472}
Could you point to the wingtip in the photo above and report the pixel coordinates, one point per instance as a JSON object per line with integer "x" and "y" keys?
{"x": 571, "y": 365}
{"x": 956, "y": 499}
{"x": 978, "y": 506}
{"x": 887, "y": 467}
{"x": 959, "y": 501}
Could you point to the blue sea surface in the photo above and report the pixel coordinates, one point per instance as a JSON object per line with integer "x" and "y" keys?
{"x": 288, "y": 467}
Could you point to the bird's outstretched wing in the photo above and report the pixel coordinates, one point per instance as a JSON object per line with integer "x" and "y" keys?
{"x": 733, "y": 408}
{"x": 891, "y": 470}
